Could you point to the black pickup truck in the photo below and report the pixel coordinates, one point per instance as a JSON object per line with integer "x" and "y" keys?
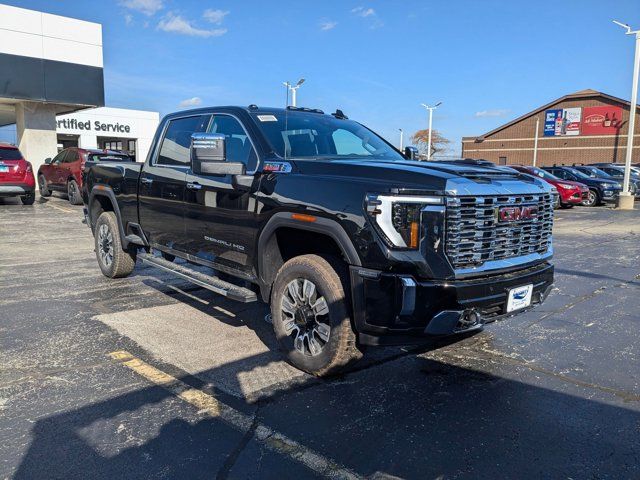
{"x": 350, "y": 241}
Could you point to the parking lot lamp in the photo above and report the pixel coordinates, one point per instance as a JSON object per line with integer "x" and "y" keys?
{"x": 430, "y": 109}
{"x": 293, "y": 89}
{"x": 401, "y": 139}
{"x": 626, "y": 199}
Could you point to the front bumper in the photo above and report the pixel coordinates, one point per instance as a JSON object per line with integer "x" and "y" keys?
{"x": 574, "y": 197}
{"x": 15, "y": 189}
{"x": 610, "y": 195}
{"x": 394, "y": 309}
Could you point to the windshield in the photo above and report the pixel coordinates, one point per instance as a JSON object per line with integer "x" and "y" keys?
{"x": 578, "y": 173}
{"x": 595, "y": 172}
{"x": 314, "y": 135}
{"x": 10, "y": 154}
{"x": 542, "y": 174}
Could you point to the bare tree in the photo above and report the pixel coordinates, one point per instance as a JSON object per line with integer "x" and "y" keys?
{"x": 438, "y": 143}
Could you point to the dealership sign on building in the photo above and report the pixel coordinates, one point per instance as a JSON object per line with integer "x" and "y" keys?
{"x": 605, "y": 120}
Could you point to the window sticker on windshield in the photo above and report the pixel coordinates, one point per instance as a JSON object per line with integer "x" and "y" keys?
{"x": 267, "y": 118}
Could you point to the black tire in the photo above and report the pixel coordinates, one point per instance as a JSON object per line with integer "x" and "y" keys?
{"x": 28, "y": 199}
{"x": 73, "y": 192}
{"x": 112, "y": 259}
{"x": 43, "y": 186}
{"x": 307, "y": 344}
{"x": 593, "y": 199}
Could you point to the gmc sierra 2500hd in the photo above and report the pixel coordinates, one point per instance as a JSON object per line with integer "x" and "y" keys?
{"x": 350, "y": 241}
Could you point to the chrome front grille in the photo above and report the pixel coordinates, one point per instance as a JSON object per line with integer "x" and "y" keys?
{"x": 476, "y": 234}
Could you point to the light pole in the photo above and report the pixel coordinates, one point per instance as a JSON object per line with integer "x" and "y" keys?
{"x": 401, "y": 134}
{"x": 535, "y": 142}
{"x": 626, "y": 199}
{"x": 293, "y": 89}
{"x": 431, "y": 109}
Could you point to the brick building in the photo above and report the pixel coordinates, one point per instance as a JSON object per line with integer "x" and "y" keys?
{"x": 583, "y": 127}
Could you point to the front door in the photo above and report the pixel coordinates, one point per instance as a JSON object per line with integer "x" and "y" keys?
{"x": 162, "y": 183}
{"x": 53, "y": 173}
{"x": 220, "y": 220}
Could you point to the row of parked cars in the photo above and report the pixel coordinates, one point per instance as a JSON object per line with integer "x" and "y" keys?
{"x": 62, "y": 173}
{"x": 588, "y": 185}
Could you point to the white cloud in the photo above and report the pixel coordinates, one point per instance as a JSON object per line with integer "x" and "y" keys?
{"x": 147, "y": 7}
{"x": 500, "y": 112}
{"x": 214, "y": 16}
{"x": 173, "y": 23}
{"x": 128, "y": 19}
{"x": 327, "y": 25}
{"x": 191, "y": 102}
{"x": 364, "y": 12}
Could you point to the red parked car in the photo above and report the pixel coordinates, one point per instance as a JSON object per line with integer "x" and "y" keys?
{"x": 16, "y": 175}
{"x": 64, "y": 172}
{"x": 570, "y": 193}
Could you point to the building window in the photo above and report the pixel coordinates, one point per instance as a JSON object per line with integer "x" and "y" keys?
{"x": 502, "y": 160}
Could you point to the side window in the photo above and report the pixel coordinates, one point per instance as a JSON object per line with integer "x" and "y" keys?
{"x": 174, "y": 149}
{"x": 71, "y": 156}
{"x": 59, "y": 158}
{"x": 238, "y": 145}
{"x": 348, "y": 143}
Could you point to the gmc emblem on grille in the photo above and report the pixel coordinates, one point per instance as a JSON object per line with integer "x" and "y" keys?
{"x": 514, "y": 214}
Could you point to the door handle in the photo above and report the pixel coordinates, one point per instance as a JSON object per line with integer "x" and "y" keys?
{"x": 194, "y": 186}
{"x": 146, "y": 180}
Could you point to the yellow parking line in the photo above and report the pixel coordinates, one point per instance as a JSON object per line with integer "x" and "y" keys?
{"x": 66, "y": 210}
{"x": 207, "y": 403}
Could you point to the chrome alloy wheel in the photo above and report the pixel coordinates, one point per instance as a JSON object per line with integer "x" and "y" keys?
{"x": 305, "y": 315}
{"x": 71, "y": 190}
{"x": 105, "y": 245}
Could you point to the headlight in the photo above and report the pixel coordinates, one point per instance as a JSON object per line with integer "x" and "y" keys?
{"x": 567, "y": 186}
{"x": 398, "y": 217}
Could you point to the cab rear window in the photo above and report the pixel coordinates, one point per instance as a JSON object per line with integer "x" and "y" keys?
{"x": 10, "y": 154}
{"x": 108, "y": 157}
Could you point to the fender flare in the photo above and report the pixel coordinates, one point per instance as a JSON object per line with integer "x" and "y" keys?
{"x": 106, "y": 191}
{"x": 322, "y": 225}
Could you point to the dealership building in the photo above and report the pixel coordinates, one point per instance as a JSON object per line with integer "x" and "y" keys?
{"x": 108, "y": 128}
{"x": 52, "y": 88}
{"x": 582, "y": 127}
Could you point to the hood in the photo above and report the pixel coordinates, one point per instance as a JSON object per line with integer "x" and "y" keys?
{"x": 436, "y": 177}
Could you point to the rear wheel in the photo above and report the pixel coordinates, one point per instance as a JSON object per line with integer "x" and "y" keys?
{"x": 112, "y": 259}
{"x": 28, "y": 199}
{"x": 311, "y": 314}
{"x": 73, "y": 192}
{"x": 43, "y": 186}
{"x": 592, "y": 199}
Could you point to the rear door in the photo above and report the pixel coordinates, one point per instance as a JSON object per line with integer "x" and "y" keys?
{"x": 162, "y": 182}
{"x": 220, "y": 220}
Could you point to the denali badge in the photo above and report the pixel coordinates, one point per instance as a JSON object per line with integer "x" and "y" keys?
{"x": 514, "y": 214}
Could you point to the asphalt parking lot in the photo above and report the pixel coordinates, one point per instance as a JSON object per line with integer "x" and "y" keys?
{"x": 150, "y": 377}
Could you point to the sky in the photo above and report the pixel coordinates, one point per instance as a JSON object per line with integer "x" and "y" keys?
{"x": 488, "y": 62}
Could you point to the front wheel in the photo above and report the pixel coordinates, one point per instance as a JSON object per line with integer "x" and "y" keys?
{"x": 112, "y": 259}
{"x": 28, "y": 199}
{"x": 43, "y": 187}
{"x": 592, "y": 199}
{"x": 311, "y": 314}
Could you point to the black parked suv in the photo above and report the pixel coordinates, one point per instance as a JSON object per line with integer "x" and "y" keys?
{"x": 616, "y": 171}
{"x": 600, "y": 190}
{"x": 351, "y": 243}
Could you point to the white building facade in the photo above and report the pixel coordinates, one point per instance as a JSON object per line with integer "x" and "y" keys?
{"x": 108, "y": 128}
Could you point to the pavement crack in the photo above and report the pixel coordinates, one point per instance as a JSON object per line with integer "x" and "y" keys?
{"x": 233, "y": 456}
